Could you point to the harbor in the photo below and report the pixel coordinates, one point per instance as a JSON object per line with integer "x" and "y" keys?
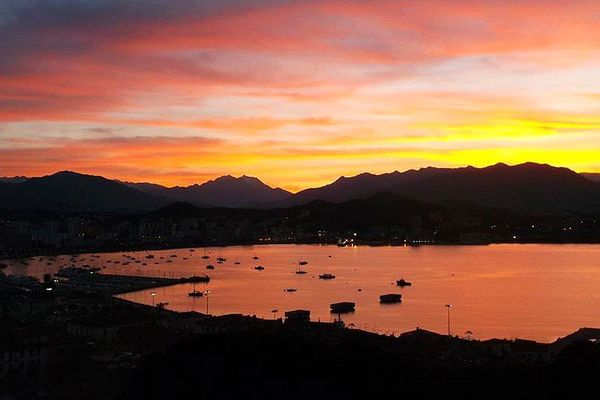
{"x": 484, "y": 284}
{"x": 83, "y": 280}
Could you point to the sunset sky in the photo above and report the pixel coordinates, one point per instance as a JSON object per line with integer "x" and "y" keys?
{"x": 296, "y": 93}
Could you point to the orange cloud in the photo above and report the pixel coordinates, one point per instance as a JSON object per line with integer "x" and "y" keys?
{"x": 298, "y": 91}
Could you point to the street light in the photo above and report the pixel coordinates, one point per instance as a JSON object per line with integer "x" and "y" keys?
{"x": 275, "y": 311}
{"x": 449, "y": 306}
{"x": 153, "y": 294}
{"x": 206, "y": 293}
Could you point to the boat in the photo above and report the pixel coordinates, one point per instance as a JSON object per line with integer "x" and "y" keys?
{"x": 221, "y": 259}
{"x": 303, "y": 263}
{"x": 255, "y": 258}
{"x": 195, "y": 293}
{"x": 210, "y": 266}
{"x": 403, "y": 283}
{"x": 259, "y": 268}
{"x": 326, "y": 276}
{"x": 300, "y": 271}
{"x": 291, "y": 290}
{"x": 149, "y": 256}
{"x": 342, "y": 307}
{"x": 390, "y": 298}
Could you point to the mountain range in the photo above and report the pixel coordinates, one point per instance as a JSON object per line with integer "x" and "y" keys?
{"x": 70, "y": 191}
{"x": 225, "y": 191}
{"x": 527, "y": 188}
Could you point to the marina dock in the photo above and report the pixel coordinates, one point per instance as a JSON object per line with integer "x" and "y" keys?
{"x": 116, "y": 284}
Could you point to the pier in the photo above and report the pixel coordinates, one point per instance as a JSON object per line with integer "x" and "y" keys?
{"x": 116, "y": 284}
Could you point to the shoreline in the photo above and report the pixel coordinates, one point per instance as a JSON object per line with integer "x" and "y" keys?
{"x": 105, "y": 250}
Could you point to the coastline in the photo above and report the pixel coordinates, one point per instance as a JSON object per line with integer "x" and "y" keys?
{"x": 150, "y": 247}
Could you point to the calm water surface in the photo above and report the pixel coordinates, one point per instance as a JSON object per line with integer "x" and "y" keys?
{"x": 537, "y": 292}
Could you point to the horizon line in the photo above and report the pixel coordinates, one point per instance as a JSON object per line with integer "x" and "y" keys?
{"x": 127, "y": 181}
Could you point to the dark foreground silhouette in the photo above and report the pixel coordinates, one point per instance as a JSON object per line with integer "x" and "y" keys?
{"x": 297, "y": 366}
{"x": 72, "y": 342}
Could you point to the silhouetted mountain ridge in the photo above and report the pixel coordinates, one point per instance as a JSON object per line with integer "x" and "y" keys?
{"x": 225, "y": 191}
{"x": 13, "y": 179}
{"x": 70, "y": 191}
{"x": 380, "y": 208}
{"x": 527, "y": 187}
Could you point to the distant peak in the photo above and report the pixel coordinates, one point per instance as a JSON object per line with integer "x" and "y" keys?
{"x": 69, "y": 173}
{"x": 65, "y": 172}
{"x": 224, "y": 178}
{"x": 530, "y": 164}
{"x": 249, "y": 178}
{"x": 230, "y": 178}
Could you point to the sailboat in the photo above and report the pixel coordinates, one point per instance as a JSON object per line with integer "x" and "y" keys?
{"x": 205, "y": 256}
{"x": 300, "y": 271}
{"x": 194, "y": 292}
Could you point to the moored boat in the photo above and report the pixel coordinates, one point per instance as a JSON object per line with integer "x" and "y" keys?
{"x": 195, "y": 293}
{"x": 326, "y": 276}
{"x": 342, "y": 307}
{"x": 390, "y": 298}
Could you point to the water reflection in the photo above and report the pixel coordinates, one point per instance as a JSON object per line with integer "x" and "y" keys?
{"x": 531, "y": 291}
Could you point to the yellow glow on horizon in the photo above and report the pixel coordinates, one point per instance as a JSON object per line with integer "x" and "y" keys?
{"x": 273, "y": 92}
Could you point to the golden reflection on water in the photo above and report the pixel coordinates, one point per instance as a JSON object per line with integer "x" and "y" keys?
{"x": 537, "y": 292}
